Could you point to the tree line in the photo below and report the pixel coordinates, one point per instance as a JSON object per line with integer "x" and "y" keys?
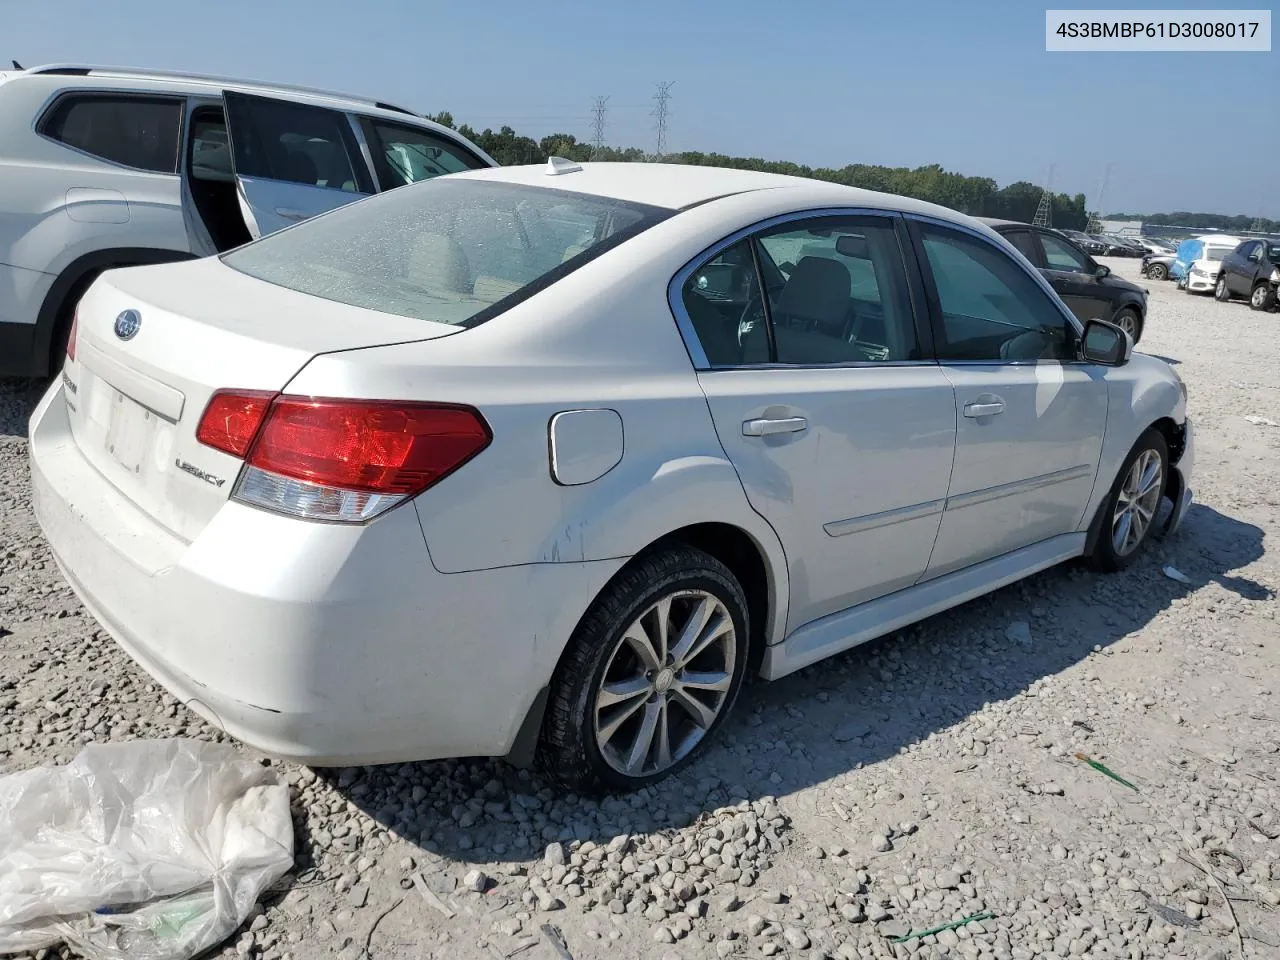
{"x": 976, "y": 196}
{"x": 1202, "y": 221}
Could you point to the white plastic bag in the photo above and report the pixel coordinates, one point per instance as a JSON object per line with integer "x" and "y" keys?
{"x": 147, "y": 850}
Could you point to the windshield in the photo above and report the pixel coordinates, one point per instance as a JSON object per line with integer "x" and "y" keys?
{"x": 448, "y": 250}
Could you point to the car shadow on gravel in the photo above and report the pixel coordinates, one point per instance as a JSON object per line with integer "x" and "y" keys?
{"x": 18, "y": 400}
{"x": 853, "y": 710}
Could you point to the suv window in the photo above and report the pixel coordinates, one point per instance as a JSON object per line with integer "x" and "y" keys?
{"x": 140, "y": 132}
{"x": 404, "y": 154}
{"x": 296, "y": 143}
{"x": 991, "y": 308}
{"x": 1059, "y": 255}
{"x": 1026, "y": 245}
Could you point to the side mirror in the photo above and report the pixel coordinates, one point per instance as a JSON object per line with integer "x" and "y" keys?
{"x": 1102, "y": 271}
{"x": 1105, "y": 343}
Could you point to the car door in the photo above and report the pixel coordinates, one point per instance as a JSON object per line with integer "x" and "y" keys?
{"x": 1031, "y": 419}
{"x": 1074, "y": 275}
{"x": 1241, "y": 265}
{"x": 292, "y": 160}
{"x": 826, "y": 399}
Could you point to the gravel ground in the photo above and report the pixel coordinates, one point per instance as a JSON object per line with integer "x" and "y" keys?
{"x": 912, "y": 782}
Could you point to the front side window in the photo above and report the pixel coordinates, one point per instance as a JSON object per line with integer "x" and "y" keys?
{"x": 448, "y": 250}
{"x": 1062, "y": 256}
{"x": 404, "y": 154}
{"x": 294, "y": 142}
{"x": 991, "y": 308}
{"x": 140, "y": 132}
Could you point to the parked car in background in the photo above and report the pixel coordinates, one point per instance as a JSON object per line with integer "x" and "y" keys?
{"x": 1153, "y": 246}
{"x": 108, "y": 168}
{"x": 1108, "y": 246}
{"x": 1087, "y": 287}
{"x": 395, "y": 517}
{"x": 1156, "y": 266}
{"x": 1199, "y": 260}
{"x": 1251, "y": 270}
{"x": 1085, "y": 242}
{"x": 1123, "y": 246}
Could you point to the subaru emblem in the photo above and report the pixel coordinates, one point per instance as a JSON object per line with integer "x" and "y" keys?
{"x": 127, "y": 324}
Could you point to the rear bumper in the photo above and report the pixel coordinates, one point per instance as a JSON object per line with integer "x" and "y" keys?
{"x": 321, "y": 643}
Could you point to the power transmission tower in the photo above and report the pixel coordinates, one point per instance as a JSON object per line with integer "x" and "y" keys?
{"x": 1044, "y": 212}
{"x": 597, "y": 125}
{"x": 1095, "y": 223}
{"x": 1256, "y": 226}
{"x": 661, "y": 111}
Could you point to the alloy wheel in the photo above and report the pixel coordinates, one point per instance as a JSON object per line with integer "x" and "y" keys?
{"x": 665, "y": 683}
{"x": 1220, "y": 290}
{"x": 1136, "y": 505}
{"x": 1259, "y": 298}
{"x": 1128, "y": 323}
{"x": 1157, "y": 272}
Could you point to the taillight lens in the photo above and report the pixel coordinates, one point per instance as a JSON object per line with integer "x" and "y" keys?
{"x": 332, "y": 459}
{"x": 71, "y": 337}
{"x": 232, "y": 418}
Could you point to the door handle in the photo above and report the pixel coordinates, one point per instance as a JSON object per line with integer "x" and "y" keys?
{"x": 291, "y": 213}
{"x": 986, "y": 408}
{"x": 766, "y": 427}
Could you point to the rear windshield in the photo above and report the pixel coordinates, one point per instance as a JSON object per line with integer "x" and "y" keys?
{"x": 449, "y": 250}
{"x": 1216, "y": 253}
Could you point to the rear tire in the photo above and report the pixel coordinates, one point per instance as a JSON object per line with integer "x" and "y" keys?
{"x": 627, "y": 707}
{"x": 1129, "y": 512}
{"x": 1263, "y": 297}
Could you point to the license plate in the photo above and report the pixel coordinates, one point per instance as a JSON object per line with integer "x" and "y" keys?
{"x": 129, "y": 430}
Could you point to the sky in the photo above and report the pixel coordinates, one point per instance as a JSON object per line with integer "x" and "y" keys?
{"x": 963, "y": 83}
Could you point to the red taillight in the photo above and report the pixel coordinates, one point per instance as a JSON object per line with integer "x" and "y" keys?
{"x": 232, "y": 418}
{"x": 372, "y": 446}
{"x": 71, "y": 337}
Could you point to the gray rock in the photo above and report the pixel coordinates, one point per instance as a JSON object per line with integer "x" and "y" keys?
{"x": 475, "y": 881}
{"x": 555, "y": 855}
{"x": 358, "y": 896}
{"x": 880, "y": 843}
{"x": 796, "y": 938}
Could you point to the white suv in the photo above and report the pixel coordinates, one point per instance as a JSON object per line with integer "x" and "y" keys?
{"x": 103, "y": 168}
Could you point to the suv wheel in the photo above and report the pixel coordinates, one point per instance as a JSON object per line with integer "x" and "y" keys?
{"x": 1129, "y": 512}
{"x": 649, "y": 675}
{"x": 1263, "y": 297}
{"x": 1129, "y": 321}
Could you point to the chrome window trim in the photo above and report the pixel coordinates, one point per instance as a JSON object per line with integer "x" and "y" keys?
{"x": 357, "y": 131}
{"x": 675, "y": 300}
{"x": 1035, "y": 275}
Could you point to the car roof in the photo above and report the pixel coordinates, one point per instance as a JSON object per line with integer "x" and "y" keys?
{"x": 207, "y": 83}
{"x": 996, "y": 222}
{"x": 677, "y": 186}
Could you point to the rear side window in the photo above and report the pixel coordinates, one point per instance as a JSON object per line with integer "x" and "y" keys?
{"x": 404, "y": 154}
{"x": 296, "y": 143}
{"x": 449, "y": 250}
{"x": 139, "y": 132}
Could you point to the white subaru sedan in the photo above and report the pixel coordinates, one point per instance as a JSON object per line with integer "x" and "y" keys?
{"x": 544, "y": 461}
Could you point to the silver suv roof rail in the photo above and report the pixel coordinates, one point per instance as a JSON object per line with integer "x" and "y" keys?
{"x": 83, "y": 70}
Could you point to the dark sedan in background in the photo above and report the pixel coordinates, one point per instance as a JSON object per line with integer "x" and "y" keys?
{"x": 1088, "y": 288}
{"x": 1251, "y": 270}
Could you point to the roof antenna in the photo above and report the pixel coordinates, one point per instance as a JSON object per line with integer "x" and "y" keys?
{"x": 559, "y": 165}
{"x": 17, "y": 65}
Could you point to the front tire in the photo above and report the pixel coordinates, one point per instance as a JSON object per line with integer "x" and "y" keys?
{"x": 1263, "y": 297}
{"x": 1158, "y": 271}
{"x": 1129, "y": 321}
{"x": 649, "y": 675}
{"x": 1220, "y": 291}
{"x": 1130, "y": 509}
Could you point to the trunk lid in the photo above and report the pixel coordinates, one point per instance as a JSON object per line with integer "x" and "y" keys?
{"x": 135, "y": 399}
